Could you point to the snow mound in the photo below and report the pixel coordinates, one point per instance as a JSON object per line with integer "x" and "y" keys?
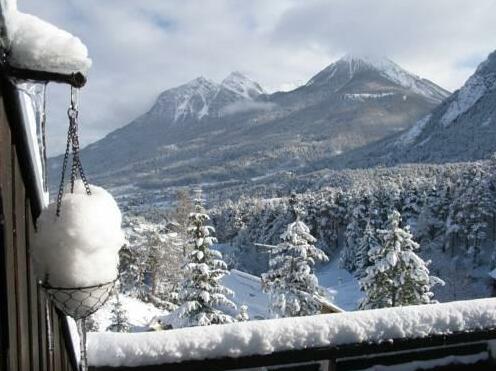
{"x": 39, "y": 45}
{"x": 80, "y": 247}
{"x": 265, "y": 337}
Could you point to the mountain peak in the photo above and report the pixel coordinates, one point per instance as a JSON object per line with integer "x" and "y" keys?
{"x": 242, "y": 85}
{"x": 349, "y": 66}
{"x": 200, "y": 81}
{"x": 367, "y": 58}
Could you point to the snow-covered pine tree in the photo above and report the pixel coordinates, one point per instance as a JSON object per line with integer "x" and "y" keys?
{"x": 203, "y": 298}
{"x": 184, "y": 206}
{"x": 134, "y": 258}
{"x": 398, "y": 275}
{"x": 290, "y": 281}
{"x": 243, "y": 314}
{"x": 91, "y": 324}
{"x": 358, "y": 219}
{"x": 119, "y": 317}
{"x": 367, "y": 243}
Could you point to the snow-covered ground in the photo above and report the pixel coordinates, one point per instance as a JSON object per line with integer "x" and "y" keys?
{"x": 248, "y": 292}
{"x": 139, "y": 314}
{"x": 143, "y": 315}
{"x": 341, "y": 285}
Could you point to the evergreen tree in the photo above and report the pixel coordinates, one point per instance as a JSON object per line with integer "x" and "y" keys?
{"x": 358, "y": 220}
{"x": 202, "y": 296}
{"x": 91, "y": 324}
{"x": 367, "y": 243}
{"x": 398, "y": 275}
{"x": 243, "y": 314}
{"x": 290, "y": 280}
{"x": 119, "y": 317}
{"x": 184, "y": 206}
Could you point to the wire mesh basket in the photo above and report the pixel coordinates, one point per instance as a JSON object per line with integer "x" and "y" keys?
{"x": 80, "y": 302}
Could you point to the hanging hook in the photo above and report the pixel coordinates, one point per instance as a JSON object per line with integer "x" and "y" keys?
{"x": 72, "y": 144}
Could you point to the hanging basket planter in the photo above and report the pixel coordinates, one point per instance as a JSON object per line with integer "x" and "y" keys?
{"x": 79, "y": 247}
{"x": 80, "y": 302}
{"x": 75, "y": 249}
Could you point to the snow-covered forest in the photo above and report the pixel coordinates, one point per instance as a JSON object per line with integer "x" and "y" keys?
{"x": 450, "y": 212}
{"x": 429, "y": 230}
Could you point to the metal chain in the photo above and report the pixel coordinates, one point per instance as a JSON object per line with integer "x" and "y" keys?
{"x": 72, "y": 113}
{"x": 75, "y": 139}
{"x": 64, "y": 167}
{"x": 72, "y": 144}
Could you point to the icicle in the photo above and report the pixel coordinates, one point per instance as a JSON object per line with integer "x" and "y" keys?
{"x": 37, "y": 95}
{"x": 83, "y": 361}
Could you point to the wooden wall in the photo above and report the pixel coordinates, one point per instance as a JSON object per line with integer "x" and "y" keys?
{"x": 24, "y": 339}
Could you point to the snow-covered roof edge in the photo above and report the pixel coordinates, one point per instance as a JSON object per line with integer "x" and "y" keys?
{"x": 34, "y": 44}
{"x": 265, "y": 337}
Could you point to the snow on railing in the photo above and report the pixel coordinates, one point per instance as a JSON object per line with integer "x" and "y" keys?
{"x": 269, "y": 336}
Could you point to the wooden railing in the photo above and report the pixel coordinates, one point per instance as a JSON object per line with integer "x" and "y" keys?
{"x": 448, "y": 350}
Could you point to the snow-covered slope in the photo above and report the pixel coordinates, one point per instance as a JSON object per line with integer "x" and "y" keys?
{"x": 341, "y": 285}
{"x": 467, "y": 117}
{"x": 462, "y": 128}
{"x": 248, "y": 291}
{"x": 478, "y": 85}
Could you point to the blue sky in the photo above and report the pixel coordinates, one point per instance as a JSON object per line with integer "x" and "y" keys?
{"x": 140, "y": 48}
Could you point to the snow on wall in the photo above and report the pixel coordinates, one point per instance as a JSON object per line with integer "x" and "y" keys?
{"x": 39, "y": 45}
{"x": 265, "y": 337}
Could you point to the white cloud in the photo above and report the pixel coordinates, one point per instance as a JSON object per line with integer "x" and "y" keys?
{"x": 140, "y": 48}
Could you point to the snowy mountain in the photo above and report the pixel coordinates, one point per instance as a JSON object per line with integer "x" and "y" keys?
{"x": 242, "y": 85}
{"x": 462, "y": 128}
{"x": 232, "y": 132}
{"x": 350, "y": 66}
{"x": 201, "y": 98}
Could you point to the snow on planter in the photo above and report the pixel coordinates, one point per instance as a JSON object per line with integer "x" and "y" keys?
{"x": 38, "y": 45}
{"x": 80, "y": 247}
{"x": 265, "y": 337}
